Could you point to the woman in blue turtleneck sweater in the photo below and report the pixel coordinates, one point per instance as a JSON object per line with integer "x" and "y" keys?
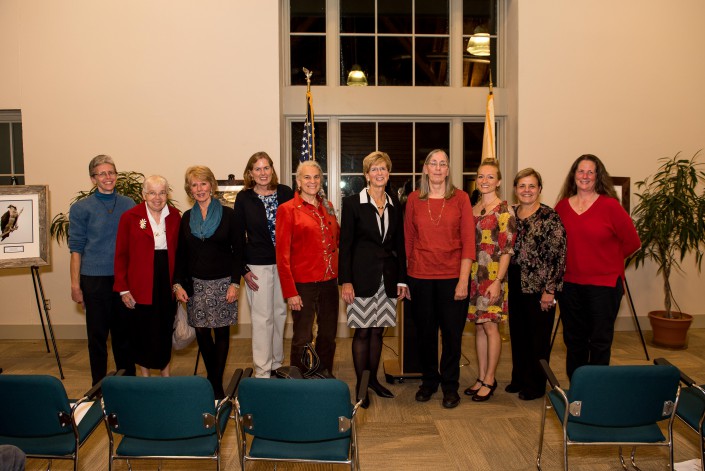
{"x": 92, "y": 235}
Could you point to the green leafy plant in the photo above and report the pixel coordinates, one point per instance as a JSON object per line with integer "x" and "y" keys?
{"x": 670, "y": 219}
{"x": 127, "y": 184}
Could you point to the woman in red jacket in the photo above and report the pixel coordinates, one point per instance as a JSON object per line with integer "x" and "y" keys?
{"x": 144, "y": 268}
{"x": 600, "y": 236}
{"x": 307, "y": 262}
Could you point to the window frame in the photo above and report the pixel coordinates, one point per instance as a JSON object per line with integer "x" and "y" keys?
{"x": 13, "y": 117}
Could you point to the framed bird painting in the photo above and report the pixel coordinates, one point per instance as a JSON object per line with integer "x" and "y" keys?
{"x": 23, "y": 226}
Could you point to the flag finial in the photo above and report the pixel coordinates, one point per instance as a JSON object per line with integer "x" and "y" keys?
{"x": 308, "y": 74}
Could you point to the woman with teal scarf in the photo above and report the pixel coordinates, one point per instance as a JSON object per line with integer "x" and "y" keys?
{"x": 207, "y": 272}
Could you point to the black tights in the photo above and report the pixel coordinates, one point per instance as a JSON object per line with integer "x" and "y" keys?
{"x": 366, "y": 352}
{"x": 215, "y": 354}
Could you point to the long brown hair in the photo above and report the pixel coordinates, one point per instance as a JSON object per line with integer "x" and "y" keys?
{"x": 249, "y": 181}
{"x": 603, "y": 181}
{"x": 425, "y": 187}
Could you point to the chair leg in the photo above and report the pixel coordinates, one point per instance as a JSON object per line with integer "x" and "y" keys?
{"x": 632, "y": 459}
{"x": 621, "y": 459}
{"x": 543, "y": 424}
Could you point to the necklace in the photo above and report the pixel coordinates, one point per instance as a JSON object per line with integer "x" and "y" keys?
{"x": 484, "y": 207}
{"x": 435, "y": 222}
{"x": 581, "y": 207}
{"x": 375, "y": 200}
{"x": 109, "y": 210}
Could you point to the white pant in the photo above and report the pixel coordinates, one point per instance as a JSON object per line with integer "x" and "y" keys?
{"x": 268, "y": 311}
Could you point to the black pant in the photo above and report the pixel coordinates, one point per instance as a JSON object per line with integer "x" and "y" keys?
{"x": 105, "y": 314}
{"x": 588, "y": 313}
{"x": 530, "y": 329}
{"x": 320, "y": 303}
{"x": 432, "y": 307}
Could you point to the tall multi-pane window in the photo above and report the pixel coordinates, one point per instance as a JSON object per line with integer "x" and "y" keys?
{"x": 11, "y": 154}
{"x": 307, "y": 41}
{"x": 395, "y": 42}
{"x": 472, "y": 153}
{"x": 479, "y": 42}
{"x": 406, "y": 142}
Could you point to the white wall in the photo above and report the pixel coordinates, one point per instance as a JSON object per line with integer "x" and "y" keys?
{"x": 621, "y": 80}
{"x": 159, "y": 85}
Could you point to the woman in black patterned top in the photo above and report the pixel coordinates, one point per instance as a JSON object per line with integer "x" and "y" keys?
{"x": 535, "y": 274}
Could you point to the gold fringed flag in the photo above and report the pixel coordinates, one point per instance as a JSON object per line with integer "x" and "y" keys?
{"x": 488, "y": 140}
{"x": 308, "y": 146}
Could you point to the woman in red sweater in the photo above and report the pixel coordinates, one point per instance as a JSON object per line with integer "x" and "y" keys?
{"x": 440, "y": 246}
{"x": 145, "y": 254}
{"x": 600, "y": 235}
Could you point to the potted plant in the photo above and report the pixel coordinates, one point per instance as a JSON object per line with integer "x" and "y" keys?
{"x": 670, "y": 220}
{"x": 127, "y": 184}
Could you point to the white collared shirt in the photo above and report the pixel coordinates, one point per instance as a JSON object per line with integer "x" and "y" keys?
{"x": 159, "y": 229}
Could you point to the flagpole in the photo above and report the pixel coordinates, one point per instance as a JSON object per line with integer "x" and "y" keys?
{"x": 488, "y": 138}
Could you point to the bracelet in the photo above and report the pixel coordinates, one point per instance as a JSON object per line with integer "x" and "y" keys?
{"x": 235, "y": 285}
{"x": 176, "y": 287}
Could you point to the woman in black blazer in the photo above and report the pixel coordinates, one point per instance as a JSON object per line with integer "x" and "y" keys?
{"x": 256, "y": 209}
{"x": 372, "y": 266}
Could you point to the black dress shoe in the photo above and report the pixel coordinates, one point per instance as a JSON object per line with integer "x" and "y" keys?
{"x": 424, "y": 394}
{"x": 380, "y": 390}
{"x": 512, "y": 388}
{"x": 471, "y": 392}
{"x": 529, "y": 396}
{"x": 365, "y": 402}
{"x": 450, "y": 399}
{"x": 486, "y": 397}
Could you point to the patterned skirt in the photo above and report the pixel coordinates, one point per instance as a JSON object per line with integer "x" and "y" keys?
{"x": 208, "y": 307}
{"x": 375, "y": 311}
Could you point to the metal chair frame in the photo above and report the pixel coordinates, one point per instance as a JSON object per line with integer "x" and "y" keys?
{"x": 567, "y": 442}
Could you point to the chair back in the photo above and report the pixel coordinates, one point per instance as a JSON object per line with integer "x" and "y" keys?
{"x": 622, "y": 396}
{"x": 295, "y": 410}
{"x": 33, "y": 406}
{"x": 159, "y": 408}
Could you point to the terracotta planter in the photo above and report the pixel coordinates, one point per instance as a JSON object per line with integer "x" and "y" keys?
{"x": 670, "y": 333}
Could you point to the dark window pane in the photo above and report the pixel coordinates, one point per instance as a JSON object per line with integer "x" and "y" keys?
{"x": 18, "y": 154}
{"x": 469, "y": 187}
{"x": 397, "y": 182}
{"x": 309, "y": 52}
{"x": 8, "y": 180}
{"x": 472, "y": 145}
{"x": 476, "y": 69}
{"x": 321, "y": 143}
{"x": 357, "y": 51}
{"x": 351, "y": 185}
{"x": 357, "y": 16}
{"x": 431, "y": 17}
{"x": 5, "y": 148}
{"x": 394, "y": 59}
{"x": 396, "y": 140}
{"x": 432, "y": 62}
{"x": 479, "y": 16}
{"x": 356, "y": 141}
{"x": 430, "y": 136}
{"x": 394, "y": 16}
{"x": 308, "y": 16}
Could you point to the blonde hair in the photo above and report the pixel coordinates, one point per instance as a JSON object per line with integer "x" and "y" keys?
{"x": 374, "y": 157}
{"x": 199, "y": 172}
{"x": 425, "y": 187}
{"x": 491, "y": 163}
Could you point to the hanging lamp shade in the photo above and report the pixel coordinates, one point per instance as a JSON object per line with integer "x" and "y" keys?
{"x": 479, "y": 44}
{"x": 356, "y": 77}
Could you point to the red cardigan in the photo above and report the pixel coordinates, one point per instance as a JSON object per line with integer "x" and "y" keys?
{"x": 598, "y": 241}
{"x": 134, "y": 252}
{"x": 305, "y": 254}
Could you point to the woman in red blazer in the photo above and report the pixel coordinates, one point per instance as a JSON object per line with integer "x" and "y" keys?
{"x": 307, "y": 262}
{"x": 144, "y": 268}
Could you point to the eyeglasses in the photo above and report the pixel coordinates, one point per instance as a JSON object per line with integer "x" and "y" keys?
{"x": 152, "y": 194}
{"x": 437, "y": 164}
{"x": 104, "y": 174}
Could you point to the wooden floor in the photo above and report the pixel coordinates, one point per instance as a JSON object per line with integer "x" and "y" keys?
{"x": 400, "y": 433}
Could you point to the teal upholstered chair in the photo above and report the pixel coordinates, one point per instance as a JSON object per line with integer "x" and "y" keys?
{"x": 618, "y": 405}
{"x": 37, "y": 417}
{"x": 297, "y": 420}
{"x": 165, "y": 418}
{"x": 691, "y": 407}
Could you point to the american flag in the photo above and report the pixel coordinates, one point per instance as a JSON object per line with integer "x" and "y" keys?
{"x": 308, "y": 148}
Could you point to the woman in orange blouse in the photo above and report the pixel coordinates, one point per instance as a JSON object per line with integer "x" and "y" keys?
{"x": 307, "y": 262}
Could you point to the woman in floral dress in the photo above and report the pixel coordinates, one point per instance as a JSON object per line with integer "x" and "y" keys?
{"x": 495, "y": 227}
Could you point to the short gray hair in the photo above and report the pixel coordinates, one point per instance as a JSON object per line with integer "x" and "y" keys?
{"x": 100, "y": 160}
{"x": 154, "y": 180}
